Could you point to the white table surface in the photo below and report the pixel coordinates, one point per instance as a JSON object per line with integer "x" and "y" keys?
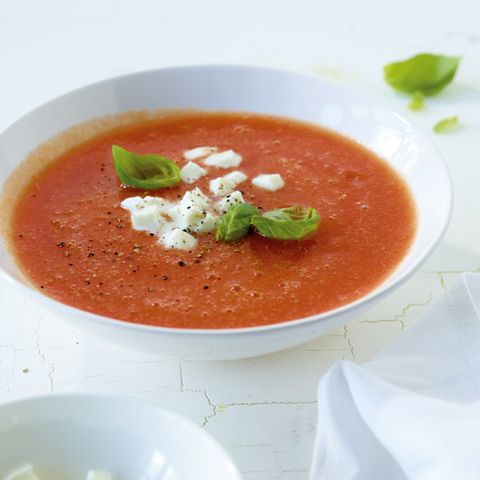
{"x": 262, "y": 410}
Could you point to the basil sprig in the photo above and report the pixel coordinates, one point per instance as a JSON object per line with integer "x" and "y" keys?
{"x": 235, "y": 224}
{"x": 422, "y": 75}
{"x": 290, "y": 223}
{"x": 149, "y": 172}
{"x": 425, "y": 73}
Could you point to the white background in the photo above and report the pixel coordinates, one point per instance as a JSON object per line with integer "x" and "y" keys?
{"x": 262, "y": 410}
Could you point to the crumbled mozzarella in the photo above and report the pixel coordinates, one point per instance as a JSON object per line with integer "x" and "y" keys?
{"x": 189, "y": 218}
{"x": 98, "y": 475}
{"x": 226, "y": 159}
{"x": 221, "y": 186}
{"x": 178, "y": 239}
{"x": 208, "y": 223}
{"x": 270, "y": 182}
{"x": 198, "y": 152}
{"x": 147, "y": 219}
{"x": 236, "y": 177}
{"x": 191, "y": 172}
{"x": 195, "y": 198}
{"x": 192, "y": 212}
{"x": 132, "y": 203}
{"x": 23, "y": 473}
{"x": 175, "y": 213}
{"x": 173, "y": 222}
{"x": 162, "y": 204}
{"x": 229, "y": 200}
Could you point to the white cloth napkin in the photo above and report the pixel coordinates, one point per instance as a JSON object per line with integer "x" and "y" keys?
{"x": 414, "y": 411}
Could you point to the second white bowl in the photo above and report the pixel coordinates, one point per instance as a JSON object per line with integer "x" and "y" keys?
{"x": 65, "y": 435}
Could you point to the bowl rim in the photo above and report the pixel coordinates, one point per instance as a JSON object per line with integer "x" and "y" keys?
{"x": 377, "y": 292}
{"x": 140, "y": 403}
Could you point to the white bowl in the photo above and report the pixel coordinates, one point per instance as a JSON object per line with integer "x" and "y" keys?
{"x": 65, "y": 435}
{"x": 242, "y": 89}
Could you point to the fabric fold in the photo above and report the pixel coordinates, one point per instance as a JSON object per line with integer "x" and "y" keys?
{"x": 413, "y": 412}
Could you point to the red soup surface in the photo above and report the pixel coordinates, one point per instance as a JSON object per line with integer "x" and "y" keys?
{"x": 75, "y": 243}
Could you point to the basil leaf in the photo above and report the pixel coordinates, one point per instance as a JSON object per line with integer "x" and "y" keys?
{"x": 290, "y": 223}
{"x": 425, "y": 73}
{"x": 416, "y": 101}
{"x": 235, "y": 224}
{"x": 148, "y": 172}
{"x": 446, "y": 125}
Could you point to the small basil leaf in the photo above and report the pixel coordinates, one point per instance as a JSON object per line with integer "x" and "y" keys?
{"x": 235, "y": 224}
{"x": 425, "y": 73}
{"x": 446, "y": 125}
{"x": 290, "y": 223}
{"x": 148, "y": 172}
{"x": 416, "y": 101}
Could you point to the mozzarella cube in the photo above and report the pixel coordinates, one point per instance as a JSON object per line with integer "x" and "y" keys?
{"x": 147, "y": 219}
{"x": 236, "y": 177}
{"x": 178, "y": 239}
{"x": 189, "y": 218}
{"x": 195, "y": 198}
{"x": 23, "y": 473}
{"x": 221, "y": 186}
{"x": 226, "y": 159}
{"x": 191, "y": 172}
{"x": 270, "y": 182}
{"x": 175, "y": 213}
{"x": 198, "y": 152}
{"x": 229, "y": 200}
{"x": 132, "y": 203}
{"x": 162, "y": 204}
{"x": 208, "y": 223}
{"x": 98, "y": 475}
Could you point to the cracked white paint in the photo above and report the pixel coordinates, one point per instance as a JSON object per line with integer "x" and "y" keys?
{"x": 261, "y": 409}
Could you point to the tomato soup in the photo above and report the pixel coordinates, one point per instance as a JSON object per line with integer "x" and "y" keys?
{"x": 75, "y": 243}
